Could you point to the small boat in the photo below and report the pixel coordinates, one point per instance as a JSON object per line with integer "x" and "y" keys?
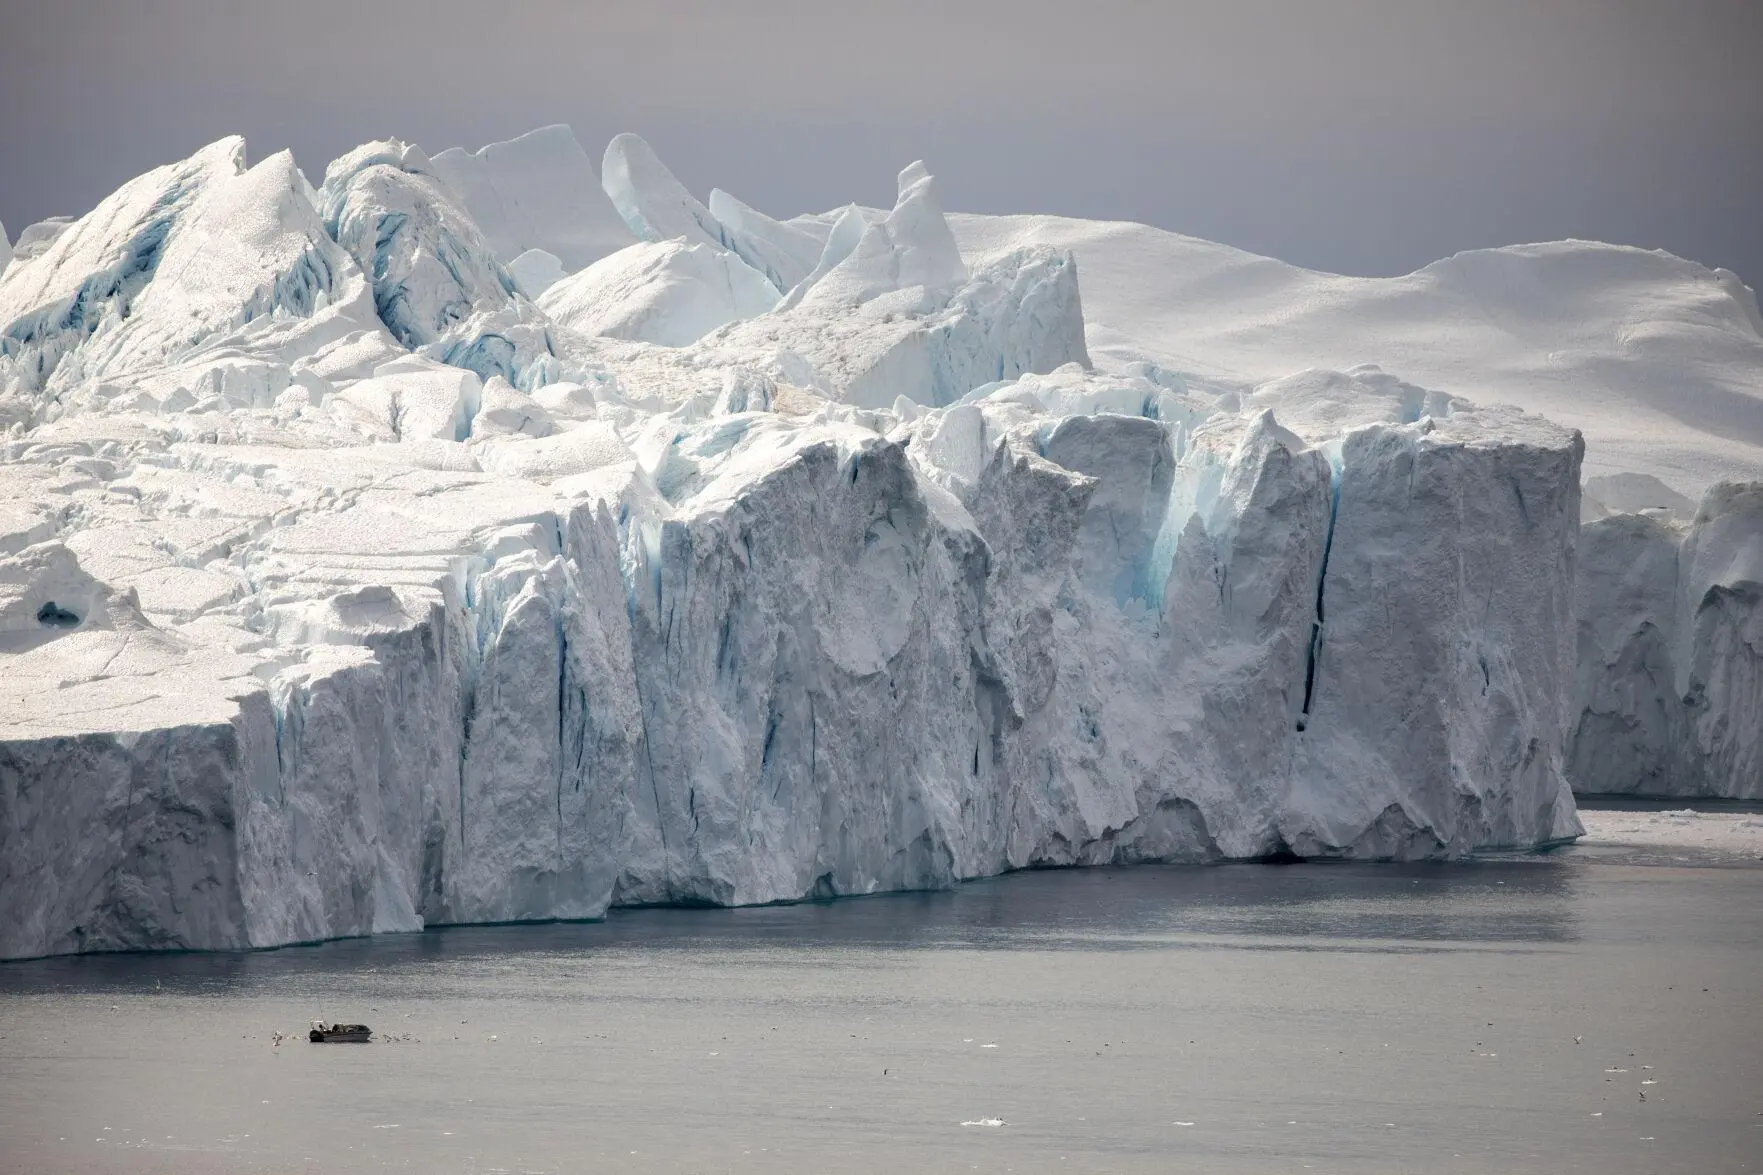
{"x": 323, "y": 1033}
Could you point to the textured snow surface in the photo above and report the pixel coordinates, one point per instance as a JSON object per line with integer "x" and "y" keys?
{"x": 357, "y": 575}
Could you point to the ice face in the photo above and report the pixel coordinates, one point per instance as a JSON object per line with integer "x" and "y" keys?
{"x": 535, "y": 271}
{"x": 537, "y": 191}
{"x": 666, "y": 292}
{"x": 34, "y": 238}
{"x": 655, "y": 206}
{"x": 437, "y": 285}
{"x": 784, "y": 253}
{"x": 344, "y": 588}
{"x": 1671, "y": 651}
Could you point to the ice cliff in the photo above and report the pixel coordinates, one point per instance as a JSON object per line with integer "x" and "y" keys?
{"x": 1669, "y": 695}
{"x": 349, "y": 585}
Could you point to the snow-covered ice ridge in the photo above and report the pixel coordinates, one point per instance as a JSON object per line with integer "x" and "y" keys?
{"x": 353, "y": 580}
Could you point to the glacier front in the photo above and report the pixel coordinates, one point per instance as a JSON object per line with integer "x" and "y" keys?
{"x": 348, "y": 584}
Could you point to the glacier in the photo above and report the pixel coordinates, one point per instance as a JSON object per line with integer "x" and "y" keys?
{"x": 354, "y": 579}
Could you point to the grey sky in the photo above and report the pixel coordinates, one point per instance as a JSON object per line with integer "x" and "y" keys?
{"x": 1367, "y": 136}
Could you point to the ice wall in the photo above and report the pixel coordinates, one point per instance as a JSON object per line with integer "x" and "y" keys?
{"x": 1670, "y": 682}
{"x": 841, "y": 663}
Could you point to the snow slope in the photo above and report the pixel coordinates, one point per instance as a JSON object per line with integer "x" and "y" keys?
{"x": 1657, "y": 360}
{"x": 345, "y": 588}
{"x": 666, "y": 292}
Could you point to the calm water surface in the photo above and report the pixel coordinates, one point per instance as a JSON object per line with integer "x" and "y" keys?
{"x": 1502, "y": 1016}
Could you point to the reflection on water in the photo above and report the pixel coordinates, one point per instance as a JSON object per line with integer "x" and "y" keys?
{"x": 1487, "y": 1016}
{"x": 1342, "y": 906}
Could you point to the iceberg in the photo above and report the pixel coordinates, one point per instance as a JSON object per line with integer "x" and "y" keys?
{"x": 1670, "y": 679}
{"x": 655, "y": 206}
{"x": 345, "y": 588}
{"x": 783, "y": 252}
{"x": 535, "y": 271}
{"x": 35, "y": 238}
{"x": 538, "y": 191}
{"x": 666, "y": 292}
{"x": 892, "y": 312}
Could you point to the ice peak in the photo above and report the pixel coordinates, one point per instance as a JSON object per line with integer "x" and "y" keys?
{"x": 652, "y": 201}
{"x": 388, "y": 152}
{"x": 784, "y": 253}
{"x": 911, "y": 175}
{"x": 920, "y": 233}
{"x": 911, "y": 248}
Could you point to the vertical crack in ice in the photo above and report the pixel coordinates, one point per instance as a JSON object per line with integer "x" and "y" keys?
{"x": 562, "y": 696}
{"x": 1334, "y": 509}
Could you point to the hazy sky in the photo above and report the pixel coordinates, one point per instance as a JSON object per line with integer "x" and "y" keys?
{"x": 1367, "y": 136}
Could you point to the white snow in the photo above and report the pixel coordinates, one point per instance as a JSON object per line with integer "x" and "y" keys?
{"x": 666, "y": 292}
{"x": 1653, "y": 358}
{"x": 345, "y": 587}
{"x": 1633, "y": 493}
